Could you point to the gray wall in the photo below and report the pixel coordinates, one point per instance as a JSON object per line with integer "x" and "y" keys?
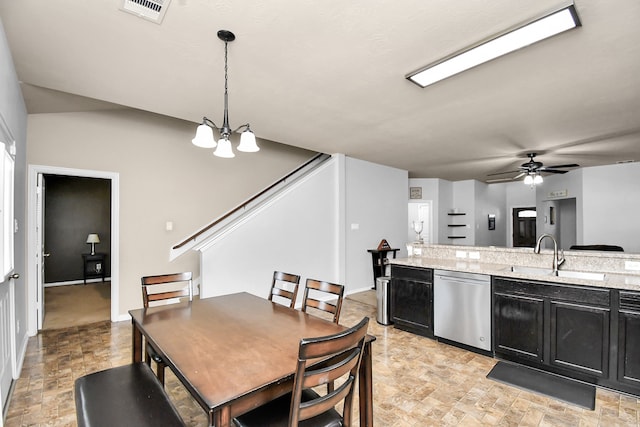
{"x": 73, "y": 208}
{"x": 162, "y": 177}
{"x": 13, "y": 110}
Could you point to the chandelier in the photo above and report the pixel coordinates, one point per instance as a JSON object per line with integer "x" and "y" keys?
{"x": 204, "y": 134}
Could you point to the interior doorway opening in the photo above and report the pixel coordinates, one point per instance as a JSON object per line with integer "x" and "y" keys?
{"x": 524, "y": 227}
{"x": 35, "y": 233}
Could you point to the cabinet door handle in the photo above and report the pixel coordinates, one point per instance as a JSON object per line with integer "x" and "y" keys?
{"x": 46, "y": 254}
{"x": 14, "y": 276}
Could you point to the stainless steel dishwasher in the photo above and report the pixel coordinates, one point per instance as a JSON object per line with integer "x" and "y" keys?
{"x": 462, "y": 308}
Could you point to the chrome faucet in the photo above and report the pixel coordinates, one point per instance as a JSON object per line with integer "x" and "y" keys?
{"x": 557, "y": 261}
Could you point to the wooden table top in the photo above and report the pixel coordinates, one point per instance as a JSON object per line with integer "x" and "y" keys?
{"x": 225, "y": 347}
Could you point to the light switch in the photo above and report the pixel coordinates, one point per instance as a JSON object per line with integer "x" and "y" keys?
{"x": 355, "y": 226}
{"x": 169, "y": 226}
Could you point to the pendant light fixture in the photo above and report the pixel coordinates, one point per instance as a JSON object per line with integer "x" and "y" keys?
{"x": 204, "y": 134}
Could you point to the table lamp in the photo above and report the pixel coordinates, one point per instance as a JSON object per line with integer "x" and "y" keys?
{"x": 93, "y": 239}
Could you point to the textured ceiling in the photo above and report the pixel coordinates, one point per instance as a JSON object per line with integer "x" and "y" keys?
{"x": 330, "y": 76}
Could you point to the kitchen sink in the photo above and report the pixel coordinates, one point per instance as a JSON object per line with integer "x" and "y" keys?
{"x": 540, "y": 271}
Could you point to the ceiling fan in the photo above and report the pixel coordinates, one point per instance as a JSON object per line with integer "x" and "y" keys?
{"x": 533, "y": 167}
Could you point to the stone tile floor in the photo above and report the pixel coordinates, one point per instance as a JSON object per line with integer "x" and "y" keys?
{"x": 417, "y": 382}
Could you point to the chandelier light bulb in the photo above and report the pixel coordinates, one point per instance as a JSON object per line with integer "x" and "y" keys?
{"x": 248, "y": 142}
{"x": 224, "y": 149}
{"x": 204, "y": 137}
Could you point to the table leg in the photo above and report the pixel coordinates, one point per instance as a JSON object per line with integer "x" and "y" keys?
{"x": 136, "y": 343}
{"x": 221, "y": 417}
{"x": 365, "y": 381}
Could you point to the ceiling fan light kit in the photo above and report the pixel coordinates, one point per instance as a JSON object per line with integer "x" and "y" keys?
{"x": 204, "y": 133}
{"x": 532, "y": 170}
{"x": 509, "y": 41}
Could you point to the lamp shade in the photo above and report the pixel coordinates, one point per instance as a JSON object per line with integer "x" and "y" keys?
{"x": 93, "y": 238}
{"x": 537, "y": 179}
{"x": 224, "y": 149}
{"x": 248, "y": 142}
{"x": 204, "y": 137}
{"x": 528, "y": 180}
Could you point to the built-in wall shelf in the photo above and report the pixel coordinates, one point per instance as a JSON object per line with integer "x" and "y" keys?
{"x": 456, "y": 226}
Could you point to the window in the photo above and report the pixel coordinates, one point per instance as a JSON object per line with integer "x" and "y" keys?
{"x": 6, "y": 210}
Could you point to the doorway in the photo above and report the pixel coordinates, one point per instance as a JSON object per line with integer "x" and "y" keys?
{"x": 524, "y": 227}
{"x": 35, "y": 233}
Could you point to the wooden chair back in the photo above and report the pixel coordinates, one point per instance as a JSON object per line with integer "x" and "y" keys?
{"x": 284, "y": 286}
{"x": 343, "y": 352}
{"x": 166, "y": 287}
{"x": 316, "y": 289}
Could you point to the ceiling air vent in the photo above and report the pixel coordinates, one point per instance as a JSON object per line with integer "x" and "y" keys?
{"x": 152, "y": 10}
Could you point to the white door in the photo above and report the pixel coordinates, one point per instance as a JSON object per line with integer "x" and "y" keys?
{"x": 40, "y": 254}
{"x": 7, "y": 340}
{"x": 420, "y": 211}
{"x": 7, "y": 309}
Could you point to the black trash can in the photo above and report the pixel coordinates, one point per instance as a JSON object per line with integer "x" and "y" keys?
{"x": 384, "y": 304}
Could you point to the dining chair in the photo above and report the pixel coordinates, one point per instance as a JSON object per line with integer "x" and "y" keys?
{"x": 317, "y": 289}
{"x": 340, "y": 355}
{"x": 284, "y": 286}
{"x": 164, "y": 289}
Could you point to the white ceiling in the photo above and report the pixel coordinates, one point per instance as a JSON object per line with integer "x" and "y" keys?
{"x": 329, "y": 76}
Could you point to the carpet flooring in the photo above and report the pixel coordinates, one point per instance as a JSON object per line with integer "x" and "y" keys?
{"x": 76, "y": 305}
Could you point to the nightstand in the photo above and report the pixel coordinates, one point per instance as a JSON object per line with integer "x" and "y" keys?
{"x": 93, "y": 266}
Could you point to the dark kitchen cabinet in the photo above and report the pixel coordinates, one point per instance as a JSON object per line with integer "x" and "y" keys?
{"x": 518, "y": 325}
{"x": 560, "y": 328}
{"x": 629, "y": 339}
{"x": 579, "y": 338}
{"x": 412, "y": 299}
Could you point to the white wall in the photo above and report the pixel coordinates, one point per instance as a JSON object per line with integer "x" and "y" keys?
{"x": 297, "y": 232}
{"x": 320, "y": 228}
{"x": 610, "y": 206}
{"x": 490, "y": 200}
{"x": 375, "y": 200}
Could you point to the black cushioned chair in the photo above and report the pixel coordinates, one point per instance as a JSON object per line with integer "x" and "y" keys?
{"x": 339, "y": 356}
{"x": 129, "y": 395}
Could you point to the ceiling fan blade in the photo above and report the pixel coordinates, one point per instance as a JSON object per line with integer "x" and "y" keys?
{"x": 520, "y": 175}
{"x": 552, "y": 170}
{"x": 502, "y": 173}
{"x": 573, "y": 165}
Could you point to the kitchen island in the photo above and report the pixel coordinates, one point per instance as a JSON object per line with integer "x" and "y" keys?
{"x": 583, "y": 325}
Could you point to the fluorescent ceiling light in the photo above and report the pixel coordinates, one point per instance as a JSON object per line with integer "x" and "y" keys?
{"x": 532, "y": 32}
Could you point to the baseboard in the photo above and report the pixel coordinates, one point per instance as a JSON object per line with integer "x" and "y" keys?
{"x": 75, "y": 282}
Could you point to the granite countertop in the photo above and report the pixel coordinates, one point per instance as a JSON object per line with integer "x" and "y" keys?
{"x": 611, "y": 280}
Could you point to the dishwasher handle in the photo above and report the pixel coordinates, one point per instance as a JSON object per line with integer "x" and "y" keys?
{"x": 464, "y": 278}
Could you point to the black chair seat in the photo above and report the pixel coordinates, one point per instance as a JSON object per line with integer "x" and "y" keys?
{"x": 129, "y": 395}
{"x": 276, "y": 414}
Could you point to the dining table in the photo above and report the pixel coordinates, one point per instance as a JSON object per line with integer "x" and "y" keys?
{"x": 236, "y": 352}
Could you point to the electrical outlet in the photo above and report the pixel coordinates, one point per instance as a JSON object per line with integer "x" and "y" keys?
{"x": 461, "y": 254}
{"x": 474, "y": 255}
{"x": 632, "y": 265}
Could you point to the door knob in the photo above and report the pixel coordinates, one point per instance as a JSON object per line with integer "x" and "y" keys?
{"x": 46, "y": 254}
{"x": 14, "y": 276}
